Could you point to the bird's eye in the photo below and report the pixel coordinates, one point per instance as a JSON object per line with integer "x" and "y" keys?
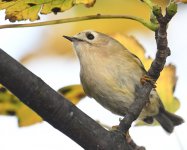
{"x": 89, "y": 36}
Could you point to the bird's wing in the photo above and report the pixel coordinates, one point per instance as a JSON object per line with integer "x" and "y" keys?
{"x": 139, "y": 62}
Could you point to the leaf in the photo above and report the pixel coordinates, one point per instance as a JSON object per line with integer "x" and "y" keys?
{"x": 17, "y": 10}
{"x": 27, "y": 116}
{"x": 166, "y": 87}
{"x": 167, "y": 80}
{"x": 73, "y": 93}
{"x": 12, "y": 106}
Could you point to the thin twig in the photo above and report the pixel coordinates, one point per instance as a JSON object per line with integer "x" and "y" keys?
{"x": 147, "y": 24}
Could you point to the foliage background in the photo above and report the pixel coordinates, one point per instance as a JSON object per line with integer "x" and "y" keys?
{"x": 47, "y": 54}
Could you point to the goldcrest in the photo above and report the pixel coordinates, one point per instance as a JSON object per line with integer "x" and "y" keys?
{"x": 109, "y": 73}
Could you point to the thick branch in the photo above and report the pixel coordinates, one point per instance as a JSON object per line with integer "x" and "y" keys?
{"x": 149, "y": 25}
{"x": 55, "y": 109}
{"x": 143, "y": 91}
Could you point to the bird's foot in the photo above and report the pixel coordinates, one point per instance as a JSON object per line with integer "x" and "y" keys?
{"x": 115, "y": 128}
{"x": 147, "y": 78}
{"x": 125, "y": 134}
{"x": 148, "y": 103}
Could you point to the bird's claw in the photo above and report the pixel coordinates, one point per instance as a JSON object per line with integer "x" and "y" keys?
{"x": 114, "y": 128}
{"x": 147, "y": 78}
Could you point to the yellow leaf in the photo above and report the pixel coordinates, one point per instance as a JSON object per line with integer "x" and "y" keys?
{"x": 27, "y": 116}
{"x": 166, "y": 87}
{"x": 17, "y": 10}
{"x": 89, "y": 3}
{"x": 11, "y": 105}
{"x": 8, "y": 103}
{"x": 73, "y": 93}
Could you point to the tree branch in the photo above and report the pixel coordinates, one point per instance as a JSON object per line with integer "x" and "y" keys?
{"x": 55, "y": 109}
{"x": 143, "y": 91}
{"x": 147, "y": 24}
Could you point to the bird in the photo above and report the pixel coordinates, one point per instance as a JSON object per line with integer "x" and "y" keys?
{"x": 109, "y": 73}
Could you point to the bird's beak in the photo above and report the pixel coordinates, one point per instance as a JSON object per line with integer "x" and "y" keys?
{"x": 72, "y": 39}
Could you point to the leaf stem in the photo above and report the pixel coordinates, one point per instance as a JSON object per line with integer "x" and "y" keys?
{"x": 147, "y": 24}
{"x": 149, "y": 3}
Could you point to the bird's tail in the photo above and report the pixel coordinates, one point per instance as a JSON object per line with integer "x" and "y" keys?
{"x": 168, "y": 120}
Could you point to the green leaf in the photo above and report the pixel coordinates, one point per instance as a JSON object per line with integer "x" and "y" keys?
{"x": 172, "y": 9}
{"x": 18, "y": 10}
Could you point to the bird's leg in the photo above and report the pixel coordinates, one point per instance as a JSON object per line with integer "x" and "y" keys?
{"x": 147, "y": 103}
{"x": 116, "y": 127}
{"x": 145, "y": 79}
